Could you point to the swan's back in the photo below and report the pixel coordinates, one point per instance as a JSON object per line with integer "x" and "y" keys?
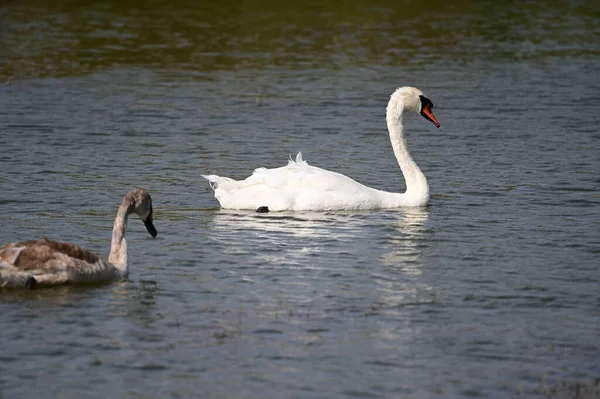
{"x": 40, "y": 254}
{"x": 296, "y": 186}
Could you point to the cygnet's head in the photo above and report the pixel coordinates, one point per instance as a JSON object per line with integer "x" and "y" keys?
{"x": 139, "y": 201}
{"x": 411, "y": 99}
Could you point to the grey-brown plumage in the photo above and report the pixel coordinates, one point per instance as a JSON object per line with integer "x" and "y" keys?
{"x": 50, "y": 262}
{"x": 34, "y": 254}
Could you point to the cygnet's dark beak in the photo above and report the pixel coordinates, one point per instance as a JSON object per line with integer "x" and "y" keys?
{"x": 149, "y": 226}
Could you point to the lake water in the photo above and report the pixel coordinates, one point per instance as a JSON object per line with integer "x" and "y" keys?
{"x": 492, "y": 291}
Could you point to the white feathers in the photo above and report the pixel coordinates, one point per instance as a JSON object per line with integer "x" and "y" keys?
{"x": 296, "y": 186}
{"x": 299, "y": 158}
{"x": 300, "y": 187}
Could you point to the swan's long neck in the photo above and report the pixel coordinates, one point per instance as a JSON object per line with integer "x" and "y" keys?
{"x": 118, "y": 246}
{"x": 417, "y": 188}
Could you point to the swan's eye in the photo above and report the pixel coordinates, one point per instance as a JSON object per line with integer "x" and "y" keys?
{"x": 425, "y": 102}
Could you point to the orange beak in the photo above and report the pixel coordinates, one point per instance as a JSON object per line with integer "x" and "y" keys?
{"x": 428, "y": 114}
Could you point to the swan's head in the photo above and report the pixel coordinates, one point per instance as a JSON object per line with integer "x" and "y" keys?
{"x": 139, "y": 201}
{"x": 411, "y": 99}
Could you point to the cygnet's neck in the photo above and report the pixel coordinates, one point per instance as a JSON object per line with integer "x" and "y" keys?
{"x": 417, "y": 188}
{"x": 118, "y": 247}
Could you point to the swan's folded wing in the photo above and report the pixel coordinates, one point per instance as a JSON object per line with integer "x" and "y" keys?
{"x": 297, "y": 175}
{"x": 297, "y": 185}
{"x": 9, "y": 254}
{"x": 40, "y": 254}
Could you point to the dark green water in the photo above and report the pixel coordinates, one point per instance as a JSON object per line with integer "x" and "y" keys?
{"x": 491, "y": 291}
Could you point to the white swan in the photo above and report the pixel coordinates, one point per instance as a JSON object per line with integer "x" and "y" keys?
{"x": 46, "y": 262}
{"x": 300, "y": 187}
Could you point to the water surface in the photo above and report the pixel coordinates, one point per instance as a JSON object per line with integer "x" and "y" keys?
{"x": 491, "y": 291}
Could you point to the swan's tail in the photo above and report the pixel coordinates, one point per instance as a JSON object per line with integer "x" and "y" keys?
{"x": 215, "y": 180}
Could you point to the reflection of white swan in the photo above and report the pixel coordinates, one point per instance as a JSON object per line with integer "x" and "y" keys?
{"x": 291, "y": 238}
{"x": 299, "y": 186}
{"x": 47, "y": 262}
{"x": 406, "y": 254}
{"x": 325, "y": 260}
{"x": 404, "y": 283}
{"x": 287, "y": 228}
